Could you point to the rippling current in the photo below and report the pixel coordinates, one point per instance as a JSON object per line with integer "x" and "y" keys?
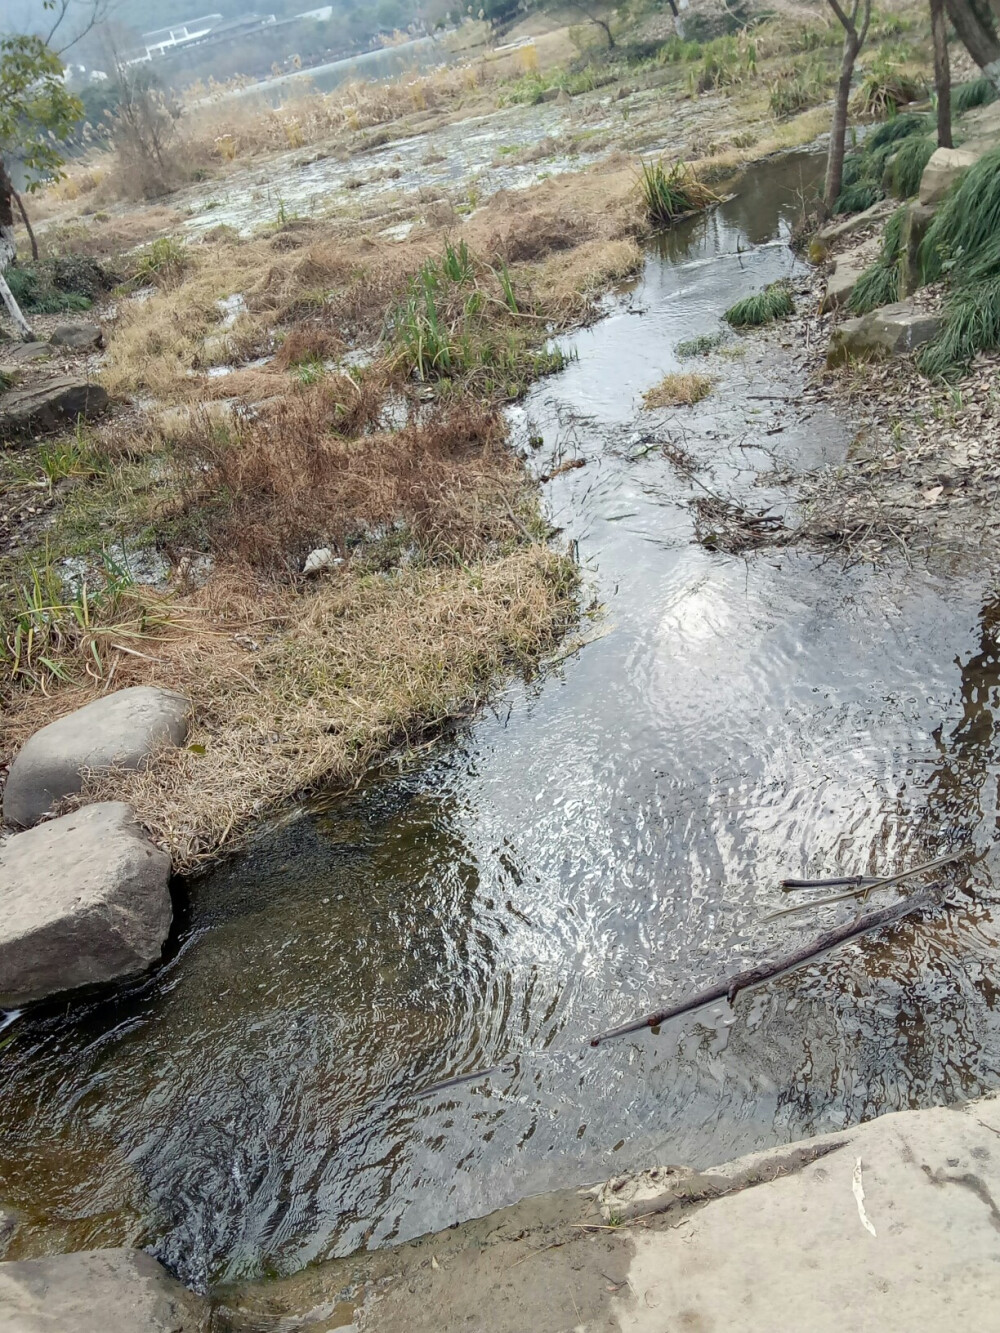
{"x": 607, "y": 837}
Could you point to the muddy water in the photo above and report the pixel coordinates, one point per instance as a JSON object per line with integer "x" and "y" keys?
{"x": 609, "y": 836}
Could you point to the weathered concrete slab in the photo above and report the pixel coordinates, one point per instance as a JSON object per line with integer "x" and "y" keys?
{"x": 32, "y": 409}
{"x": 943, "y": 170}
{"x": 84, "y": 900}
{"x": 892, "y": 330}
{"x": 121, "y": 730}
{"x": 897, "y": 1230}
{"x": 779, "y": 1240}
{"x": 97, "y": 1291}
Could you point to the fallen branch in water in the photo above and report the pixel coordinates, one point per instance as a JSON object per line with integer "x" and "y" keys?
{"x": 728, "y": 990}
{"x": 922, "y": 900}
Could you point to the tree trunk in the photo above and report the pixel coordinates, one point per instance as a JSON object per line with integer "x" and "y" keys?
{"x": 8, "y": 251}
{"x": 838, "y": 126}
{"x": 942, "y": 72}
{"x": 977, "y": 38}
{"x": 27, "y": 225}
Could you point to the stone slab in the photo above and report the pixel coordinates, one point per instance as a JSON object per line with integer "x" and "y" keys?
{"x": 97, "y": 1291}
{"x": 892, "y": 330}
{"x": 122, "y": 730}
{"x": 84, "y": 900}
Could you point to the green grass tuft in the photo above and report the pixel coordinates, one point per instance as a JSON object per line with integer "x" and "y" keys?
{"x": 966, "y": 96}
{"x": 964, "y": 236}
{"x": 856, "y": 198}
{"x": 673, "y": 194}
{"x": 774, "y": 302}
{"x": 900, "y": 127}
{"x": 972, "y": 325}
{"x": 963, "y": 244}
{"x": 904, "y": 172}
{"x": 879, "y": 284}
{"x": 700, "y": 346}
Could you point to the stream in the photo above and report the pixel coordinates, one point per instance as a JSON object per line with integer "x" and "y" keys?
{"x": 606, "y": 837}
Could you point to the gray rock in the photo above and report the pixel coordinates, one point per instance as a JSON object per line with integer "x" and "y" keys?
{"x": 892, "y": 330}
{"x": 836, "y": 231}
{"x": 121, "y": 730}
{"x": 97, "y": 1291}
{"x": 83, "y": 900}
{"x": 48, "y": 404}
{"x": 915, "y": 223}
{"x": 943, "y": 170}
{"x": 847, "y": 269}
{"x": 78, "y": 336}
{"x": 23, "y": 353}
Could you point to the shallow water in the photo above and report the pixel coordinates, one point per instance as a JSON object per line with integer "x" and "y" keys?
{"x": 609, "y": 836}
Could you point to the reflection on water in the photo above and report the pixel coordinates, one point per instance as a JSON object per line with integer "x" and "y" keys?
{"x": 610, "y": 837}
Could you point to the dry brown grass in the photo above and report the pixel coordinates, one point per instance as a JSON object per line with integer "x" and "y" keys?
{"x": 311, "y": 688}
{"x": 678, "y": 390}
{"x": 563, "y": 242}
{"x": 277, "y": 484}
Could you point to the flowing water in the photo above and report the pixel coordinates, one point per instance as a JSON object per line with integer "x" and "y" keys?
{"x": 609, "y": 836}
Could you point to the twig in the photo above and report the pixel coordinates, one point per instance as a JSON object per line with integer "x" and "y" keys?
{"x": 867, "y": 886}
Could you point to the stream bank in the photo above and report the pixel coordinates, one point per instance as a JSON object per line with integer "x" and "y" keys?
{"x": 610, "y": 834}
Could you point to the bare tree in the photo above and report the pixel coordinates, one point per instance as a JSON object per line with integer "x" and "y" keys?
{"x": 976, "y": 30}
{"x": 942, "y": 72}
{"x": 854, "y": 21}
{"x": 592, "y": 12}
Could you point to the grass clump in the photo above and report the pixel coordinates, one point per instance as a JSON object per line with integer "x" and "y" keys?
{"x": 972, "y": 324}
{"x": 905, "y": 170}
{"x": 669, "y": 195}
{"x": 160, "y": 262}
{"x": 774, "y": 302}
{"x": 899, "y": 127}
{"x": 963, "y": 244}
{"x": 53, "y": 628}
{"x": 976, "y": 92}
{"x": 868, "y": 173}
{"x": 677, "y": 390}
{"x": 879, "y": 284}
{"x": 700, "y": 346}
{"x": 857, "y": 197}
{"x": 963, "y": 239}
{"x": 66, "y": 283}
{"x": 462, "y": 319}
{"x": 886, "y": 86}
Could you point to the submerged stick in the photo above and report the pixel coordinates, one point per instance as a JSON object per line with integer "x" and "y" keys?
{"x": 728, "y": 990}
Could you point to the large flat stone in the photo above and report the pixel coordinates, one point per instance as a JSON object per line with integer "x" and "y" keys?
{"x": 84, "y": 900}
{"x": 943, "y": 170}
{"x": 97, "y": 1291}
{"x": 892, "y": 330}
{"x": 49, "y": 404}
{"x": 121, "y": 730}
